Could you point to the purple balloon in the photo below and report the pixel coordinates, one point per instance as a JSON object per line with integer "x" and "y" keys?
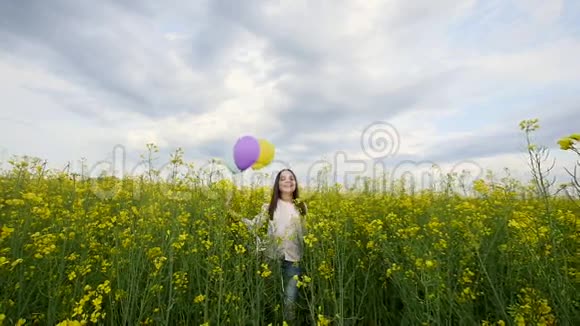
{"x": 246, "y": 152}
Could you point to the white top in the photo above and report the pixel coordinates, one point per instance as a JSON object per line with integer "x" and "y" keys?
{"x": 285, "y": 231}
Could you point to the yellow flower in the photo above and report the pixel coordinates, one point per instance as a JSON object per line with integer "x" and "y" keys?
{"x": 529, "y": 125}
{"x": 158, "y": 262}
{"x": 180, "y": 280}
{"x": 566, "y": 143}
{"x": 105, "y": 287}
{"x": 576, "y": 137}
{"x": 97, "y": 302}
{"x": 467, "y": 294}
{"x": 302, "y": 281}
{"x": 95, "y": 316}
{"x": 199, "y": 299}
{"x": 393, "y": 269}
{"x": 467, "y": 276}
{"x": 322, "y": 320}
{"x": 207, "y": 244}
{"x": 419, "y": 262}
{"x": 326, "y": 270}
{"x": 78, "y": 310}
{"x": 481, "y": 187}
{"x": 70, "y": 323}
{"x": 310, "y": 240}
{"x": 154, "y": 252}
{"x": 5, "y": 232}
{"x": 265, "y": 271}
{"x": 240, "y": 249}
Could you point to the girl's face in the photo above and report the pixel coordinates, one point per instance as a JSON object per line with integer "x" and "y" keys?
{"x": 287, "y": 184}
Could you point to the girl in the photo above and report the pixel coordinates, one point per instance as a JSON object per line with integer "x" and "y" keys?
{"x": 285, "y": 218}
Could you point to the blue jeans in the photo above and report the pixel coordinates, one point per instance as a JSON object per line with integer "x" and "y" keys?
{"x": 289, "y": 270}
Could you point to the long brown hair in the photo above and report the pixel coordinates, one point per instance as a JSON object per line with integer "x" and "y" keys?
{"x": 276, "y": 195}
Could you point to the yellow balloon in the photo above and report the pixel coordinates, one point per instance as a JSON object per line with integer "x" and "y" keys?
{"x": 266, "y": 154}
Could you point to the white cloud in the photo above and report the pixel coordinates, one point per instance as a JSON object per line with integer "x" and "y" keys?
{"x": 541, "y": 11}
{"x": 311, "y": 75}
{"x": 553, "y": 62}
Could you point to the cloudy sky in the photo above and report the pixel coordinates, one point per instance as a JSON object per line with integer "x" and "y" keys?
{"x": 442, "y": 82}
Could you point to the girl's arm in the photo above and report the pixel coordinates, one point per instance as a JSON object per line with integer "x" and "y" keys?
{"x": 258, "y": 220}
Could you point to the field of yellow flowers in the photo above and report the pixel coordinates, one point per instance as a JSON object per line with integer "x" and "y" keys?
{"x": 501, "y": 256}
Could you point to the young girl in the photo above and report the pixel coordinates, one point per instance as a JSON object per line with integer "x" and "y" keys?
{"x": 284, "y": 216}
